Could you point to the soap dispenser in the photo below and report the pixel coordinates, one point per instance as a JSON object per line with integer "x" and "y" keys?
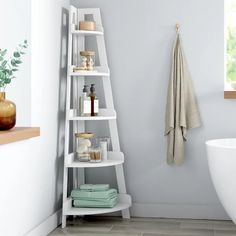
{"x": 94, "y": 101}
{"x": 85, "y": 102}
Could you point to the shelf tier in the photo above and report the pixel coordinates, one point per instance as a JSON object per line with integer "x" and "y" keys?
{"x": 86, "y": 32}
{"x": 98, "y": 71}
{"x": 104, "y": 114}
{"x": 114, "y": 158}
{"x": 124, "y": 202}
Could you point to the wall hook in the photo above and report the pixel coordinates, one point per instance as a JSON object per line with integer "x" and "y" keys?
{"x": 177, "y": 26}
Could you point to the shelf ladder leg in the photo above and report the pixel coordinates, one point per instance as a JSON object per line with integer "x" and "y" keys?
{"x": 115, "y": 141}
{"x": 72, "y": 18}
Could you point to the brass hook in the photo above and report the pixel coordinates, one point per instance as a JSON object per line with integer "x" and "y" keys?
{"x": 177, "y": 27}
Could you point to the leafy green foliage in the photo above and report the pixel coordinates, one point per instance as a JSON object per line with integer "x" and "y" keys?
{"x": 9, "y": 66}
{"x": 231, "y": 39}
{"x": 231, "y": 54}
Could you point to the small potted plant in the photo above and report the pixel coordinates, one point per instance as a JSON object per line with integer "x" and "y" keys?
{"x": 8, "y": 68}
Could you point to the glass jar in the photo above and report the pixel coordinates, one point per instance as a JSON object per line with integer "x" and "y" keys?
{"x": 87, "y": 60}
{"x": 95, "y": 154}
{"x": 104, "y": 143}
{"x": 83, "y": 143}
{"x": 107, "y": 140}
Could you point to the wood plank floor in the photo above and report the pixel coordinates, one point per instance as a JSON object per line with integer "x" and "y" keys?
{"x": 108, "y": 226}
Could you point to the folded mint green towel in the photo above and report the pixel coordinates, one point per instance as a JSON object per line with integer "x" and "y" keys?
{"x": 96, "y": 204}
{"x": 84, "y": 195}
{"x": 94, "y": 199}
{"x": 94, "y": 187}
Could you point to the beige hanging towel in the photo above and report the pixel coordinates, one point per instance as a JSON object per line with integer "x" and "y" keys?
{"x": 181, "y": 109}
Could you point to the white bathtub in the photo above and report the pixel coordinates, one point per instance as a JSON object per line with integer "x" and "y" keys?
{"x": 222, "y": 163}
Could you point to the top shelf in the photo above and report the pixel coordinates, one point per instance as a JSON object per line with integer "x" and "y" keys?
{"x": 86, "y": 32}
{"x": 75, "y": 31}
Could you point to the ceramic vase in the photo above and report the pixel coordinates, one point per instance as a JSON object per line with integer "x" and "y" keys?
{"x": 7, "y": 113}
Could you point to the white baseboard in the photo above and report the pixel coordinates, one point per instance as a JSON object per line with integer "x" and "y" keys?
{"x": 46, "y": 226}
{"x": 215, "y": 212}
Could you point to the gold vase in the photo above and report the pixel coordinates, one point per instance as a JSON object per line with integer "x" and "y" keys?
{"x": 7, "y": 113}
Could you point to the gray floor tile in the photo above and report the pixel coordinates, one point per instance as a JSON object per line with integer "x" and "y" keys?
{"x": 225, "y": 225}
{"x": 144, "y": 226}
{"x": 160, "y": 229}
{"x": 196, "y": 225}
{"x": 58, "y": 231}
{"x": 200, "y": 221}
{"x": 149, "y": 224}
{"x": 131, "y": 222}
{"x": 91, "y": 233}
{"x": 98, "y": 234}
{"x": 116, "y": 226}
{"x": 141, "y": 219}
{"x": 73, "y": 230}
{"x": 225, "y": 233}
{"x": 151, "y": 234}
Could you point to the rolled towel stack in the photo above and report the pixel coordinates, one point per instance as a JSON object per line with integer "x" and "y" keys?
{"x": 94, "y": 196}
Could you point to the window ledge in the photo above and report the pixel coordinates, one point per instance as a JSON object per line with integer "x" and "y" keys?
{"x": 18, "y": 134}
{"x": 230, "y": 94}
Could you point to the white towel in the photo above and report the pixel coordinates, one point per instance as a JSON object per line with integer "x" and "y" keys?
{"x": 181, "y": 110}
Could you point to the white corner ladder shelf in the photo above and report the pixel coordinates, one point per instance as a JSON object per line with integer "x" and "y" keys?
{"x": 75, "y": 82}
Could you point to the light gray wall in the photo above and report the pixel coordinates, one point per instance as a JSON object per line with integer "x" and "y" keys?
{"x": 139, "y": 37}
{"x": 15, "y": 27}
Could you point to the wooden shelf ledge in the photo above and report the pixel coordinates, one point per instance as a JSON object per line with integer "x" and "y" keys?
{"x": 18, "y": 134}
{"x": 230, "y": 94}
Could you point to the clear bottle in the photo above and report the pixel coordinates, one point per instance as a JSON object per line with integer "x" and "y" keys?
{"x": 85, "y": 102}
{"x": 94, "y": 101}
{"x": 104, "y": 143}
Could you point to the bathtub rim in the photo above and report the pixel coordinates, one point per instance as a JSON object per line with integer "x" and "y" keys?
{"x": 214, "y": 143}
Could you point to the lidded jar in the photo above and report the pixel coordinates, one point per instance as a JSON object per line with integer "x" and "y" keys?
{"x": 83, "y": 144}
{"x": 87, "y": 60}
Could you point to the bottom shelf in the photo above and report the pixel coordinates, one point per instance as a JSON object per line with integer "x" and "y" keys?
{"x": 124, "y": 202}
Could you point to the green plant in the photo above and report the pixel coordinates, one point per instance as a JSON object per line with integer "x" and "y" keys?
{"x": 231, "y": 54}
{"x": 231, "y": 40}
{"x": 8, "y": 67}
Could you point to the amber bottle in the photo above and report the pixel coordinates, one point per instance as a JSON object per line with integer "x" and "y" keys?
{"x": 94, "y": 101}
